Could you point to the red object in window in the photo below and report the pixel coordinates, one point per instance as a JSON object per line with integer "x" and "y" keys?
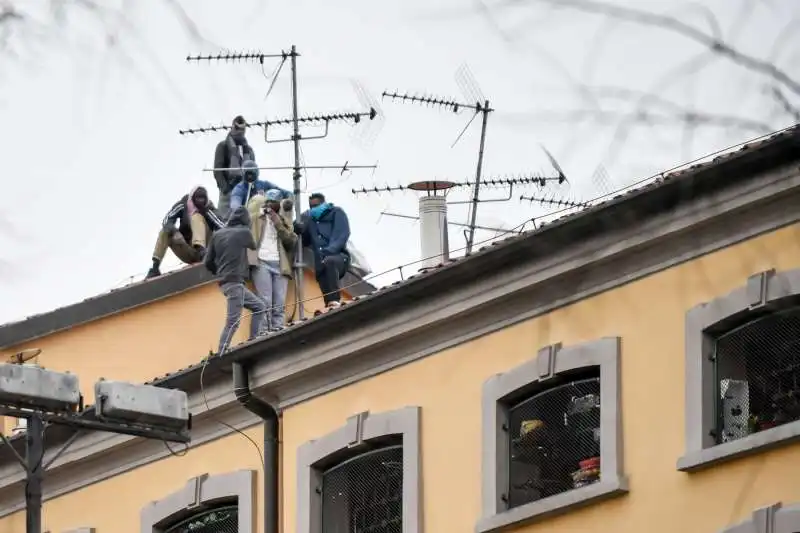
{"x": 588, "y": 464}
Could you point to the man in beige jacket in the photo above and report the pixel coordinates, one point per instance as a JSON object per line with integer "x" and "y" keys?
{"x": 271, "y": 261}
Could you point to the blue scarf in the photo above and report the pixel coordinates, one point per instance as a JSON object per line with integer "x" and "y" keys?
{"x": 320, "y": 210}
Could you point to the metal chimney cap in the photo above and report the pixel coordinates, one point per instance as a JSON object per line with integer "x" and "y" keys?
{"x": 431, "y": 185}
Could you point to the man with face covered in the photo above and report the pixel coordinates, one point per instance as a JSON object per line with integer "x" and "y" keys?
{"x": 271, "y": 261}
{"x": 252, "y": 186}
{"x": 231, "y": 153}
{"x": 197, "y": 219}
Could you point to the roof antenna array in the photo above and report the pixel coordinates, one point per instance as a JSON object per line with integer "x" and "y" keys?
{"x": 369, "y": 114}
{"x": 475, "y": 101}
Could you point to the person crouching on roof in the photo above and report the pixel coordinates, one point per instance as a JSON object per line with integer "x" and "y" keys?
{"x": 226, "y": 258}
{"x": 251, "y": 186}
{"x": 271, "y": 263}
{"x": 197, "y": 219}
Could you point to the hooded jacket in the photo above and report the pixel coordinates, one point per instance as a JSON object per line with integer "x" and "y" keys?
{"x": 226, "y": 256}
{"x": 328, "y": 235}
{"x": 227, "y": 156}
{"x": 181, "y": 212}
{"x": 239, "y": 193}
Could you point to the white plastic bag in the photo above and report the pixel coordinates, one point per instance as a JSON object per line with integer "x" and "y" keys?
{"x": 358, "y": 263}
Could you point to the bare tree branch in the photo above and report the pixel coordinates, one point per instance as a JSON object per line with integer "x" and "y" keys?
{"x": 666, "y": 22}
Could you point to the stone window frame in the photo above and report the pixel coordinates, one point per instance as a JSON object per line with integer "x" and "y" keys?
{"x": 503, "y": 390}
{"x": 775, "y": 518}
{"x": 359, "y": 429}
{"x": 238, "y": 486}
{"x": 767, "y": 290}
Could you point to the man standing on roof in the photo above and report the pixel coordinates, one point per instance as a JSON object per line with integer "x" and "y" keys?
{"x": 231, "y": 153}
{"x": 271, "y": 264}
{"x": 251, "y": 186}
{"x": 326, "y": 230}
{"x": 197, "y": 219}
{"x": 227, "y": 259}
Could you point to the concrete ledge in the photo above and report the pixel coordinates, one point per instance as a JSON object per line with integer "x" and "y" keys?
{"x": 554, "y": 505}
{"x": 758, "y": 442}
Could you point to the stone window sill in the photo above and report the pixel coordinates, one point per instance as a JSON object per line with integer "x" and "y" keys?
{"x": 762, "y": 441}
{"x": 560, "y": 503}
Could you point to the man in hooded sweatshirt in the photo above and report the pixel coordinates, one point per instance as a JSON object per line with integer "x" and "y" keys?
{"x": 251, "y": 186}
{"x": 227, "y": 259}
{"x": 231, "y": 153}
{"x": 197, "y": 220}
{"x": 326, "y": 230}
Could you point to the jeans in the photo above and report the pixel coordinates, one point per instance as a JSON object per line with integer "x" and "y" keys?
{"x": 271, "y": 286}
{"x": 328, "y": 275}
{"x": 239, "y": 297}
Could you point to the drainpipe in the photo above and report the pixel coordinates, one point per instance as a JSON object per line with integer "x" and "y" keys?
{"x": 257, "y": 406}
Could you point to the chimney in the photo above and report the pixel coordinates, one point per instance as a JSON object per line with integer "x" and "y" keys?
{"x": 433, "y": 231}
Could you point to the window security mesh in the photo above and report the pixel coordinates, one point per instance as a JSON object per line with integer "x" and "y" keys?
{"x": 554, "y": 441}
{"x": 757, "y": 367}
{"x": 218, "y": 520}
{"x": 365, "y": 494}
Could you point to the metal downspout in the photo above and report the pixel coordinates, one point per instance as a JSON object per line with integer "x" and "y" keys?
{"x": 262, "y": 409}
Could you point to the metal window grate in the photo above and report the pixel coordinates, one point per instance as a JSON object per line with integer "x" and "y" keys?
{"x": 365, "y": 494}
{"x": 554, "y": 440}
{"x": 218, "y": 520}
{"x": 757, "y": 367}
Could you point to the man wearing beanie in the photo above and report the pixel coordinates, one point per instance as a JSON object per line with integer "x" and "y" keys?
{"x": 227, "y": 260}
{"x": 196, "y": 218}
{"x": 231, "y": 153}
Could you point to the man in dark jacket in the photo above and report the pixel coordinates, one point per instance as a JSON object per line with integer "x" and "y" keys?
{"x": 326, "y": 230}
{"x": 197, "y": 219}
{"x": 227, "y": 259}
{"x": 231, "y": 153}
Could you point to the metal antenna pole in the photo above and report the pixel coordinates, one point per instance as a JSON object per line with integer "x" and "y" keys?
{"x": 476, "y": 191}
{"x": 299, "y": 273}
{"x": 34, "y": 450}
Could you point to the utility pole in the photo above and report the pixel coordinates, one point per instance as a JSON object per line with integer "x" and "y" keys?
{"x": 298, "y": 209}
{"x": 43, "y": 396}
{"x": 34, "y": 453}
{"x": 476, "y": 190}
{"x": 296, "y": 137}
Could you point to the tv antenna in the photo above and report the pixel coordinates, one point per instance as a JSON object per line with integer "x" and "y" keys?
{"x": 480, "y": 105}
{"x": 370, "y": 113}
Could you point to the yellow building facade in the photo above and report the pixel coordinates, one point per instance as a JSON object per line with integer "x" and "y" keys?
{"x": 627, "y": 368}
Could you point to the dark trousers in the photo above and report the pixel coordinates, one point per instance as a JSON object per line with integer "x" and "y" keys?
{"x": 329, "y": 272}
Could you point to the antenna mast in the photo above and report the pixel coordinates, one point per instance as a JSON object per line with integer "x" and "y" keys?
{"x": 296, "y": 120}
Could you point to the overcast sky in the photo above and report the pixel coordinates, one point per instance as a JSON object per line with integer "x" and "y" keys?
{"x": 91, "y": 104}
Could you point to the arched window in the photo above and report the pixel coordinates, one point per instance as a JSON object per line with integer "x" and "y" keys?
{"x": 206, "y": 504}
{"x": 552, "y": 434}
{"x": 363, "y": 477}
{"x": 221, "y": 519}
{"x": 743, "y": 371}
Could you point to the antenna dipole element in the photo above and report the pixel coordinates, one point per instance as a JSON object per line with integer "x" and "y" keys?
{"x": 238, "y": 56}
{"x": 554, "y": 202}
{"x": 436, "y": 101}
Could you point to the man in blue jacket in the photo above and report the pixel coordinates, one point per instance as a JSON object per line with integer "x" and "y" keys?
{"x": 326, "y": 230}
{"x": 251, "y": 185}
